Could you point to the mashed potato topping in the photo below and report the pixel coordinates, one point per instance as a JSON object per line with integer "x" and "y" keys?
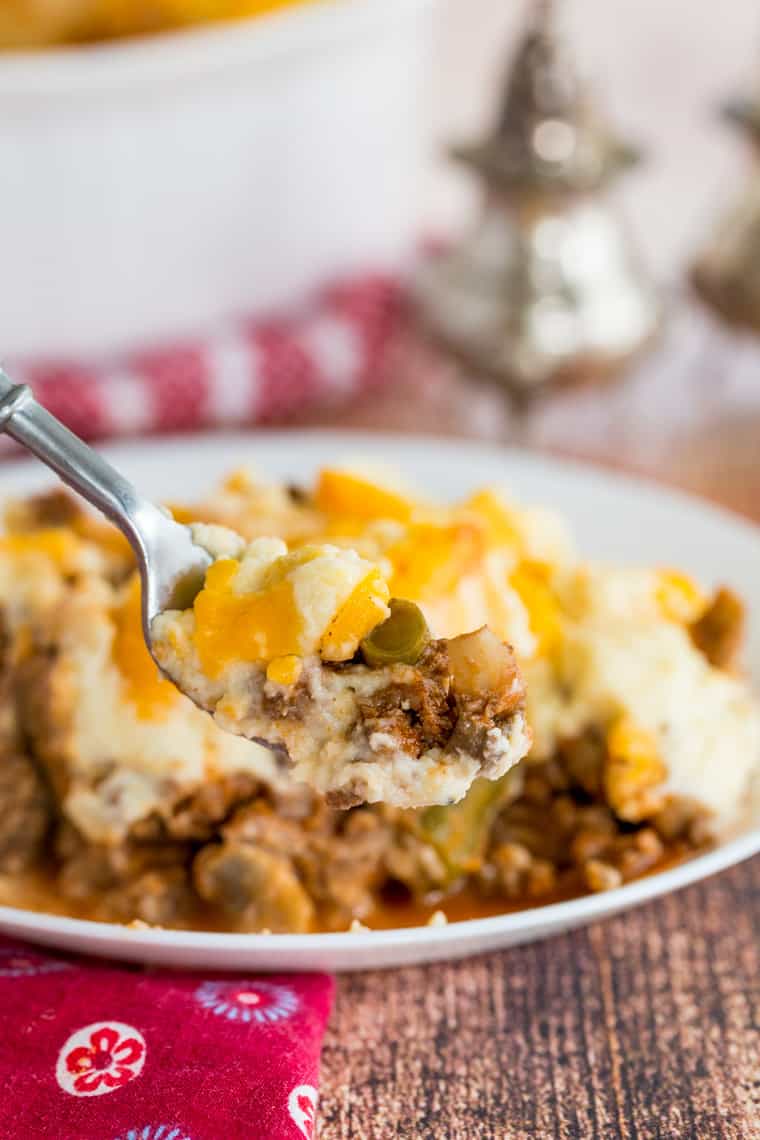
{"x": 645, "y": 735}
{"x": 626, "y": 652}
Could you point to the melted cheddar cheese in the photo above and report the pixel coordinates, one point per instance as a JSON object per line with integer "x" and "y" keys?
{"x": 57, "y": 544}
{"x": 150, "y": 693}
{"x": 274, "y": 607}
{"x": 354, "y": 496}
{"x": 34, "y": 23}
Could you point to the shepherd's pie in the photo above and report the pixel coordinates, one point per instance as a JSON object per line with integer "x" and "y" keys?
{"x": 121, "y": 800}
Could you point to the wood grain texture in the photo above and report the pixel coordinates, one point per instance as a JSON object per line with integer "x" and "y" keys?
{"x": 643, "y": 1027}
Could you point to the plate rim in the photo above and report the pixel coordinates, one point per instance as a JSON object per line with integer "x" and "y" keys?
{"x": 633, "y": 480}
{"x": 532, "y": 921}
{"x": 551, "y": 916}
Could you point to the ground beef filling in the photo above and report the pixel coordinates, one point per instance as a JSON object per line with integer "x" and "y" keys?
{"x": 48, "y": 509}
{"x": 25, "y": 813}
{"x": 719, "y": 631}
{"x": 26, "y": 808}
{"x": 418, "y": 711}
{"x": 421, "y": 710}
{"x": 243, "y": 859}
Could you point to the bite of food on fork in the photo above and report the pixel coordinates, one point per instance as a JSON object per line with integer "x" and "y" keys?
{"x": 307, "y": 651}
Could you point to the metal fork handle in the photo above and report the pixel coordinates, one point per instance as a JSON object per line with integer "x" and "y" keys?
{"x": 77, "y": 464}
{"x": 172, "y": 567}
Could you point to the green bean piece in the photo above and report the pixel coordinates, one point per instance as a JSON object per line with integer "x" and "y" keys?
{"x": 459, "y": 832}
{"x": 400, "y": 639}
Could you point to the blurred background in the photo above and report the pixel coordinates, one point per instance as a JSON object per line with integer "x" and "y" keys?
{"x": 661, "y": 68}
{"x": 247, "y": 212}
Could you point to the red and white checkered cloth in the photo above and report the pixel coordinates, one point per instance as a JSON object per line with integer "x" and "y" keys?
{"x": 250, "y": 371}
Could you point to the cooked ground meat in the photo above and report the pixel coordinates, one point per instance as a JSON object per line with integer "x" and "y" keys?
{"x": 260, "y": 824}
{"x": 43, "y": 726}
{"x": 416, "y": 863}
{"x": 560, "y": 836}
{"x": 344, "y": 866}
{"x": 297, "y": 865}
{"x": 48, "y": 509}
{"x": 299, "y": 495}
{"x": 719, "y": 631}
{"x": 334, "y": 860}
{"x": 25, "y": 802}
{"x": 252, "y": 875}
{"x": 257, "y": 889}
{"x": 422, "y": 713}
{"x": 583, "y": 759}
{"x": 118, "y": 884}
{"x": 25, "y": 812}
{"x": 159, "y": 897}
{"x": 199, "y": 815}
{"x": 494, "y": 707}
{"x": 291, "y": 702}
{"x": 418, "y": 709}
{"x": 9, "y": 729}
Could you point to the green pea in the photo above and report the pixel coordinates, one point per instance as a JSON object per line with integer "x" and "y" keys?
{"x": 401, "y": 638}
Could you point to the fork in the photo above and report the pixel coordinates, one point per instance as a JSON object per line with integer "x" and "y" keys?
{"x": 172, "y": 566}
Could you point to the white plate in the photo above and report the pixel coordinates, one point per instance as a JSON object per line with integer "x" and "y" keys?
{"x": 614, "y": 517}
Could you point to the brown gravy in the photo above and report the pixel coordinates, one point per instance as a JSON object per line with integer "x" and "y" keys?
{"x": 35, "y": 891}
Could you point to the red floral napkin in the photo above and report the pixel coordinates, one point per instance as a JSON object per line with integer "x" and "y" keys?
{"x": 95, "y": 1052}
{"x": 248, "y": 371}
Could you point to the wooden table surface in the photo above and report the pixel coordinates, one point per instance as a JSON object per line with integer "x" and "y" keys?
{"x": 643, "y": 1026}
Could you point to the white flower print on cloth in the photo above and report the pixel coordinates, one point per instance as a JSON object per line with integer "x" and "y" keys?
{"x": 18, "y": 963}
{"x": 302, "y": 1106}
{"x": 100, "y": 1058}
{"x": 257, "y": 1001}
{"x": 155, "y": 1132}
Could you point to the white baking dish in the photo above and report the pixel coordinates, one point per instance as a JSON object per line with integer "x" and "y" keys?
{"x": 151, "y": 187}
